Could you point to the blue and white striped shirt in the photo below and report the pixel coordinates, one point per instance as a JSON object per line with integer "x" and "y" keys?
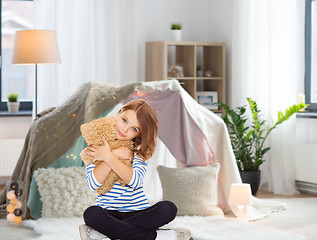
{"x": 122, "y": 198}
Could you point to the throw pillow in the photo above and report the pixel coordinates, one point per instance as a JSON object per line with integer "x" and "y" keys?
{"x": 192, "y": 189}
{"x": 63, "y": 192}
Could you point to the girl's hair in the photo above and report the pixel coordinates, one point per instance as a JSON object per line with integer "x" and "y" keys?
{"x": 146, "y": 141}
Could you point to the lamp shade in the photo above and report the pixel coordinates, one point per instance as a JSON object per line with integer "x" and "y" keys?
{"x": 35, "y": 46}
{"x": 240, "y": 194}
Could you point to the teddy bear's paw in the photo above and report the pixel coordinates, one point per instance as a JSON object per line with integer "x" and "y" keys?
{"x": 122, "y": 183}
{"x": 127, "y": 162}
{"x": 87, "y": 159}
{"x": 103, "y": 189}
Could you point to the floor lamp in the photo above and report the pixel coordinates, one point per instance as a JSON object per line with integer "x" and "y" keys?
{"x": 35, "y": 47}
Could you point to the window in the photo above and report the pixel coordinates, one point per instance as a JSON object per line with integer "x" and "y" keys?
{"x": 311, "y": 54}
{"x": 15, "y": 15}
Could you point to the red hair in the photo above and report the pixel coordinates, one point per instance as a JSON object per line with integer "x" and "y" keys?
{"x": 146, "y": 141}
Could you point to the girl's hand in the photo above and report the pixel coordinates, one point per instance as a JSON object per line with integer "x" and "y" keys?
{"x": 101, "y": 152}
{"x": 123, "y": 153}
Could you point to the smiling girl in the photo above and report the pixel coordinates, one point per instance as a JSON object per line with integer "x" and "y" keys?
{"x": 124, "y": 212}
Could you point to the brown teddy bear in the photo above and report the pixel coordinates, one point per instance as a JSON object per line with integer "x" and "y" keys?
{"x": 93, "y": 132}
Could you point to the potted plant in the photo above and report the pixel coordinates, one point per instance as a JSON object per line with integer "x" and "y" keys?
{"x": 13, "y": 104}
{"x": 176, "y": 29}
{"x": 248, "y": 137}
{"x": 199, "y": 71}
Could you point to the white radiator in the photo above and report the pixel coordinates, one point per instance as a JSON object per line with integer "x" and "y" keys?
{"x": 306, "y": 166}
{"x": 10, "y": 150}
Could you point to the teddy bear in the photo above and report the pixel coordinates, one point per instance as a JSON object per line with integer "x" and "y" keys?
{"x": 93, "y": 132}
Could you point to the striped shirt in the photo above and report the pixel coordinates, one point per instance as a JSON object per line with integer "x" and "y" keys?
{"x": 126, "y": 198}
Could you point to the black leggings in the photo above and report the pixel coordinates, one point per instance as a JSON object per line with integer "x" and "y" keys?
{"x": 130, "y": 225}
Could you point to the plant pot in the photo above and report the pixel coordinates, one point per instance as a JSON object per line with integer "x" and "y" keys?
{"x": 13, "y": 106}
{"x": 253, "y": 178}
{"x": 176, "y": 35}
{"x": 200, "y": 73}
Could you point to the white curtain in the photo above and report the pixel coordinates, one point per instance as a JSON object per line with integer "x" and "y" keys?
{"x": 96, "y": 41}
{"x": 268, "y": 65}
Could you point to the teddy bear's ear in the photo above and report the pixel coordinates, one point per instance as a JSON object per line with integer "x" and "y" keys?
{"x": 82, "y": 127}
{"x": 88, "y": 132}
{"x": 85, "y": 129}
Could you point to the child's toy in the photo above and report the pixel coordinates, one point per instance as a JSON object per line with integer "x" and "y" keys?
{"x": 93, "y": 133}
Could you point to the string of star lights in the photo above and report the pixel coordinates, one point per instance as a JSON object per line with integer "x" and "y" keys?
{"x": 74, "y": 156}
{"x": 14, "y": 203}
{"x": 143, "y": 93}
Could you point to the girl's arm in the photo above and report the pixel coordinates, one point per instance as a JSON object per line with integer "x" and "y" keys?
{"x": 101, "y": 172}
{"x": 110, "y": 161}
{"x": 123, "y": 153}
{"x": 91, "y": 181}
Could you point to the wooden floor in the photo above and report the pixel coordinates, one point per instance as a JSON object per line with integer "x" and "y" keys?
{"x": 266, "y": 194}
{"x": 260, "y": 194}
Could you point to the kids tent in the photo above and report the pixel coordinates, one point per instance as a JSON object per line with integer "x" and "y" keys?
{"x": 193, "y": 135}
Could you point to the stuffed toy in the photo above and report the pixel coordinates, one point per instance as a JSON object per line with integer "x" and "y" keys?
{"x": 93, "y": 132}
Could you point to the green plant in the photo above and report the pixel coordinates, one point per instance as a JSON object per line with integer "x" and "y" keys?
{"x": 176, "y": 26}
{"x": 248, "y": 137}
{"x": 13, "y": 97}
{"x": 198, "y": 68}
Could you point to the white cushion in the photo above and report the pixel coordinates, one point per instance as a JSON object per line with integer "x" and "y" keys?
{"x": 64, "y": 192}
{"x": 192, "y": 189}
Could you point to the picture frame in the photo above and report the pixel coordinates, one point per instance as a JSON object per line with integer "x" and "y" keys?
{"x": 207, "y": 99}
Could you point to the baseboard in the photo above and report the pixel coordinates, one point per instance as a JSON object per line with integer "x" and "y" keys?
{"x": 306, "y": 187}
{"x": 4, "y": 180}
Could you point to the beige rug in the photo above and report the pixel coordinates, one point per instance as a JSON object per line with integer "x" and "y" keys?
{"x": 297, "y": 222}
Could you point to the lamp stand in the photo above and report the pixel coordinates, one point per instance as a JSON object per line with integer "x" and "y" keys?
{"x": 241, "y": 211}
{"x": 35, "y": 92}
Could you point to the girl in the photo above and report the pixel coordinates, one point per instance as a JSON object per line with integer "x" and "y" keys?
{"x": 124, "y": 212}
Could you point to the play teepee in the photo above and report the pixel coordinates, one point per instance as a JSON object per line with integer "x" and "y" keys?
{"x": 189, "y": 132}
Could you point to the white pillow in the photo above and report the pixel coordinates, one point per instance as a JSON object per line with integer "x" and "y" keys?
{"x": 192, "y": 189}
{"x": 64, "y": 192}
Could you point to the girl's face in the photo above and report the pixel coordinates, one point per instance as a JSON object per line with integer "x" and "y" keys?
{"x": 127, "y": 125}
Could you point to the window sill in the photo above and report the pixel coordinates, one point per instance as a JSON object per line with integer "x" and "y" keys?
{"x": 17, "y": 114}
{"x": 306, "y": 115}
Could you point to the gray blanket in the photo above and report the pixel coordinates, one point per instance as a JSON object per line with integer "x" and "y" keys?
{"x": 53, "y": 133}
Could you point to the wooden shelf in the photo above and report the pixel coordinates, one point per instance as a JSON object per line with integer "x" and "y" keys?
{"x": 211, "y": 56}
{"x": 181, "y": 78}
{"x": 197, "y": 78}
{"x": 209, "y": 78}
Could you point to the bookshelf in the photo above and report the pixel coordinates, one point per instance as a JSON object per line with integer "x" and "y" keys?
{"x": 164, "y": 56}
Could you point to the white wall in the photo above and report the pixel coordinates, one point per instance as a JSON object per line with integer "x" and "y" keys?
{"x": 203, "y": 20}
{"x": 14, "y": 127}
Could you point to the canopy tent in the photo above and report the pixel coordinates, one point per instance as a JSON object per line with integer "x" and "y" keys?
{"x": 191, "y": 133}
